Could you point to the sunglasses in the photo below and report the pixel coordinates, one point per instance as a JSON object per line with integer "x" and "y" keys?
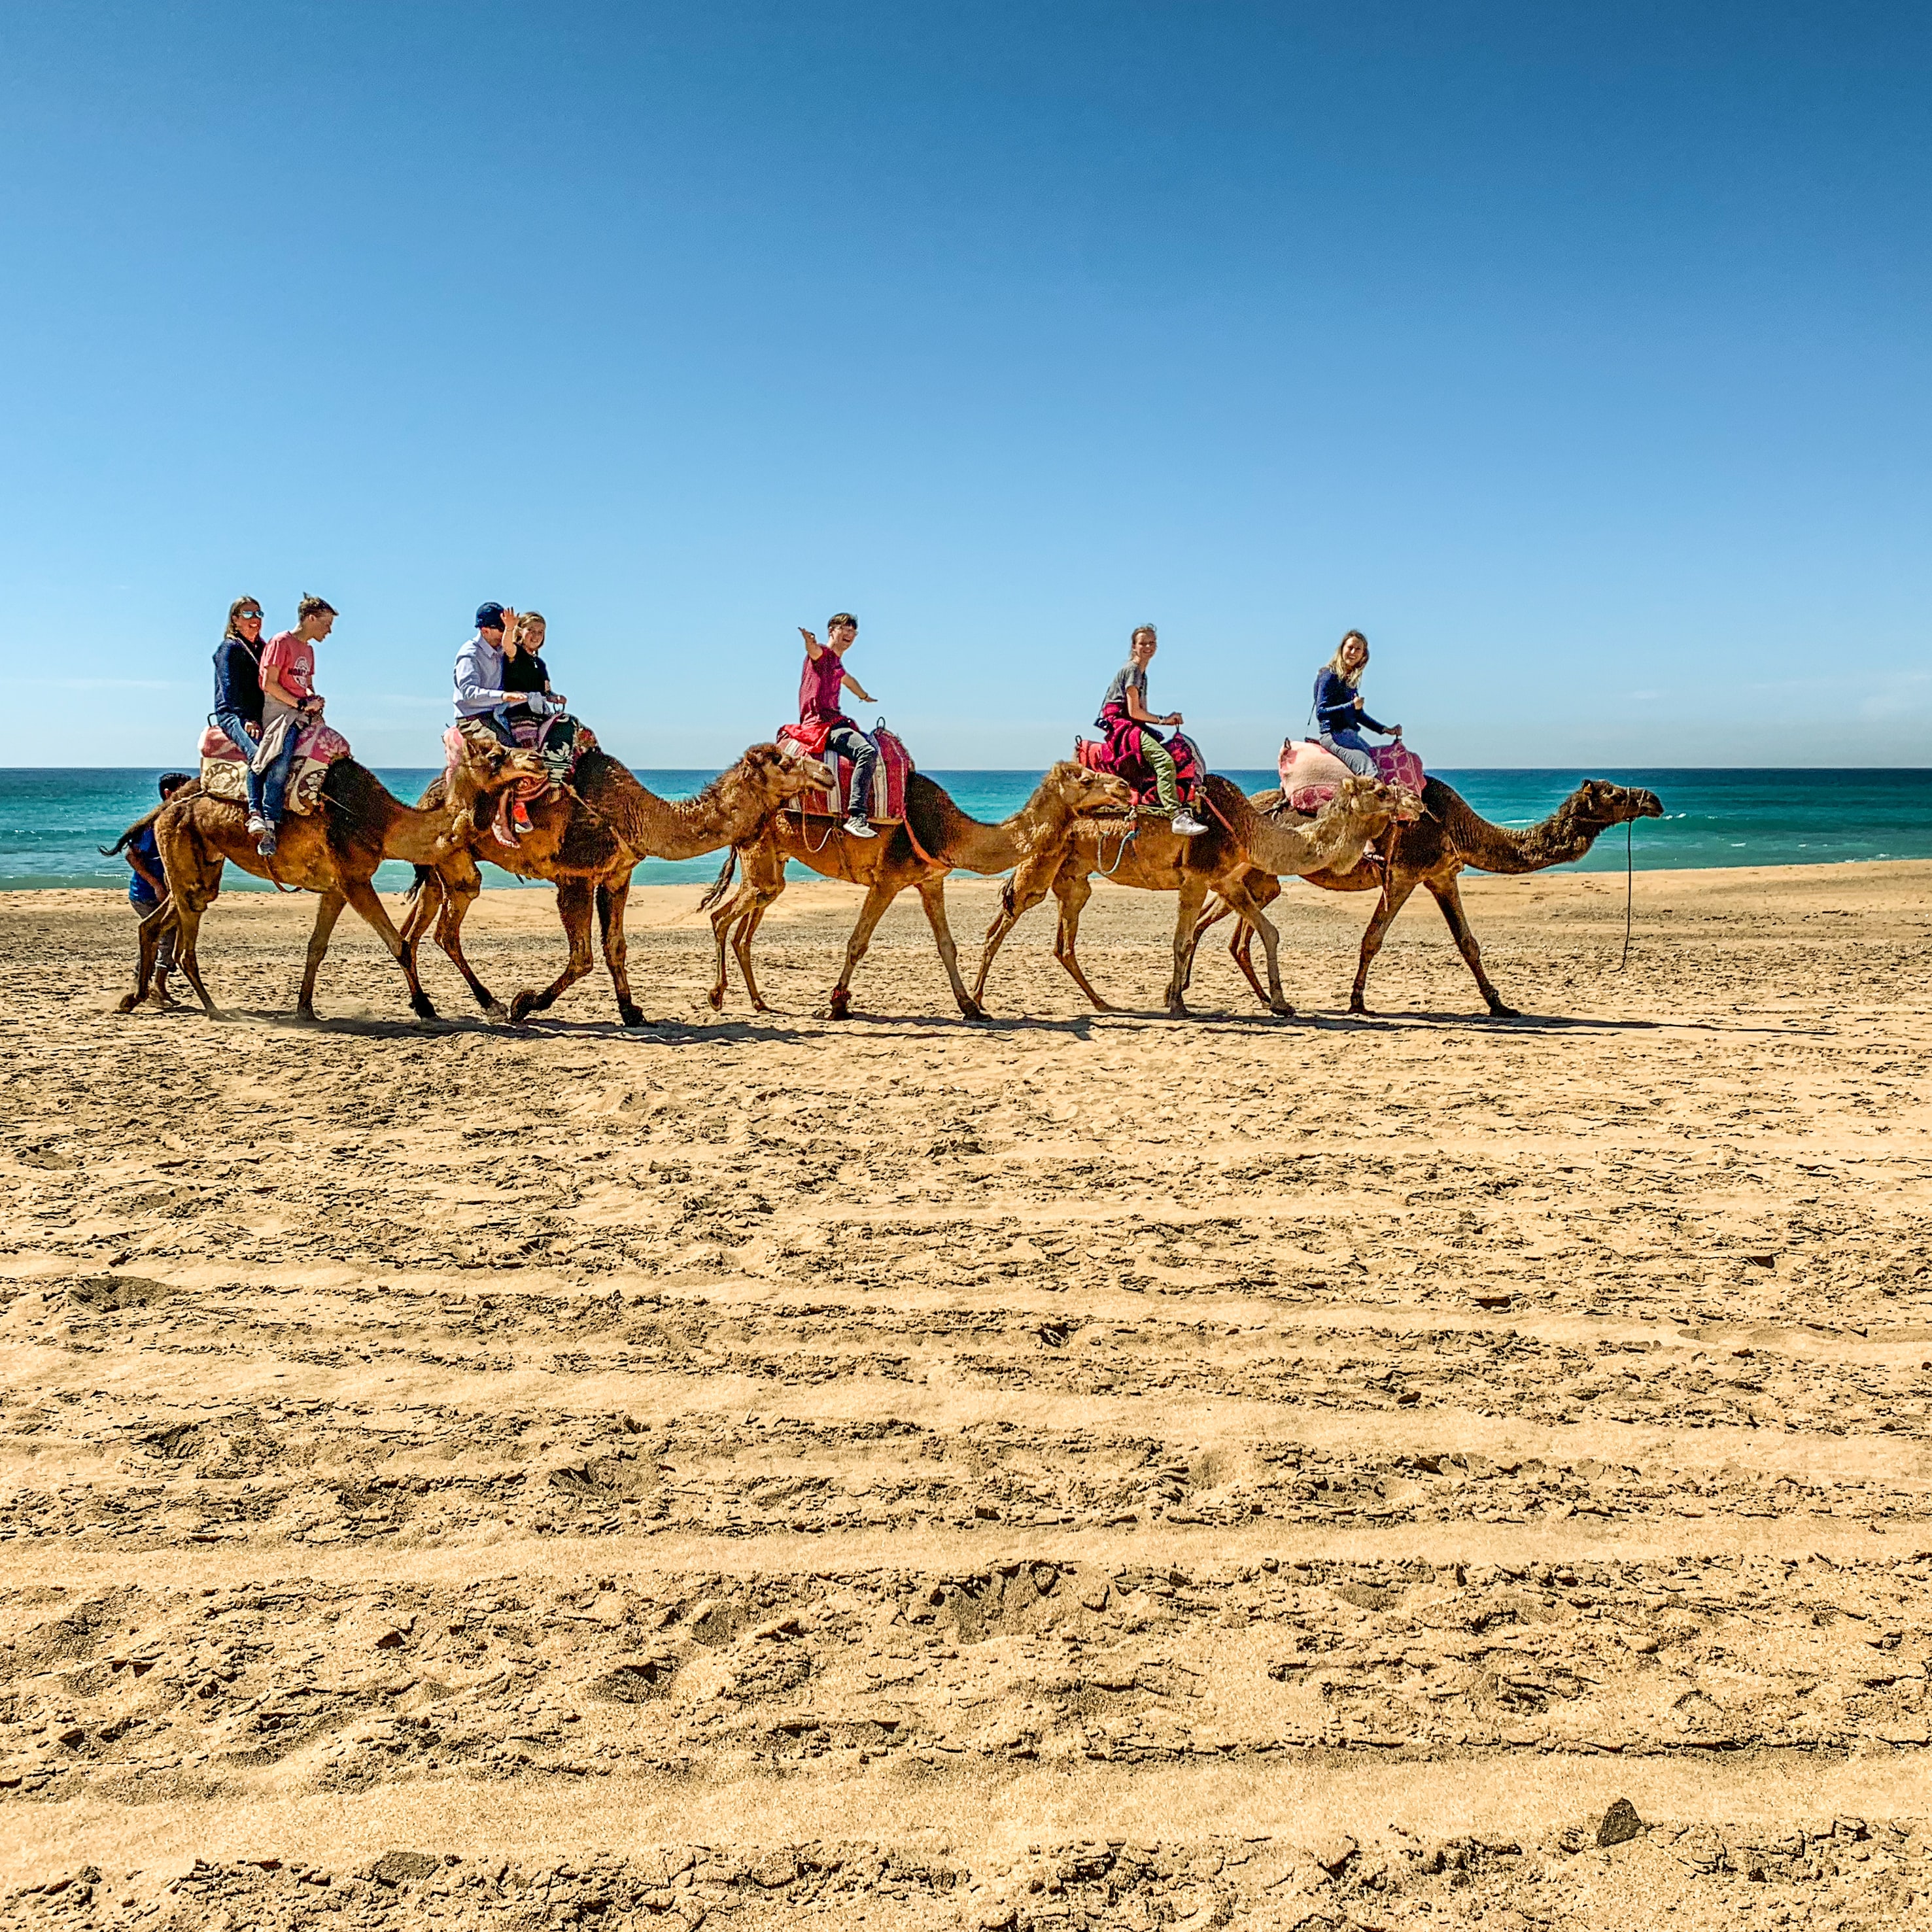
{"x": 247, "y": 616}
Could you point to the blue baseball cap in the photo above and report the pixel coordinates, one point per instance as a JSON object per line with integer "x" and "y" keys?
{"x": 489, "y": 616}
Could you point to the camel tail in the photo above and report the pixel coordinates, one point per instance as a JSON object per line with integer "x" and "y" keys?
{"x": 134, "y": 831}
{"x": 424, "y": 874}
{"x": 723, "y": 883}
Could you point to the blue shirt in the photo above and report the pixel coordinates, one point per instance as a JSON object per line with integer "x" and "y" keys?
{"x": 146, "y": 847}
{"x": 1337, "y": 706}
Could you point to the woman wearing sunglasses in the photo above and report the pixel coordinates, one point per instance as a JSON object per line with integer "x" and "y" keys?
{"x": 238, "y": 689}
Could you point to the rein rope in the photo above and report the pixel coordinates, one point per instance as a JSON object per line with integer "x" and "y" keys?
{"x": 1127, "y": 838}
{"x": 805, "y": 837}
{"x": 1630, "y": 886}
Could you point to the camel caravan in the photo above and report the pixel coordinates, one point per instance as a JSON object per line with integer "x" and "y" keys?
{"x": 525, "y": 785}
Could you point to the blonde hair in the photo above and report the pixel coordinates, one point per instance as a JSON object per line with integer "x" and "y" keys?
{"x": 240, "y": 604}
{"x": 1350, "y": 677}
{"x": 525, "y": 619}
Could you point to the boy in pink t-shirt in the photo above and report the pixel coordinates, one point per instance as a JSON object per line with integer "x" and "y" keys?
{"x": 288, "y": 690}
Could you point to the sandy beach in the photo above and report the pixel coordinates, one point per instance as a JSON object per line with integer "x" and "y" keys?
{"x": 1080, "y": 1470}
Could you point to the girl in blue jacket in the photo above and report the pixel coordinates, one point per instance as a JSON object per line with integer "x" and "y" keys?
{"x": 1339, "y": 718}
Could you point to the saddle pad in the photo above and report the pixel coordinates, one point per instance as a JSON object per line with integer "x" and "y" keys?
{"x": 1397, "y": 765}
{"x": 888, "y": 781}
{"x": 228, "y": 778}
{"x": 1310, "y": 774}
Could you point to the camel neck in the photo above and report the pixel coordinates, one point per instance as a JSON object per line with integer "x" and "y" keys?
{"x": 1335, "y": 841}
{"x": 671, "y": 829}
{"x": 1563, "y": 835}
{"x": 419, "y": 836}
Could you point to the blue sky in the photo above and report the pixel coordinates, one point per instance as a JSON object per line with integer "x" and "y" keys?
{"x": 1577, "y": 354}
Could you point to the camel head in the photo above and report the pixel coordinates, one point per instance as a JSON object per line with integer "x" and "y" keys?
{"x": 778, "y": 780}
{"x": 1070, "y": 790}
{"x": 1596, "y": 801}
{"x": 487, "y": 772}
{"x": 1370, "y": 801}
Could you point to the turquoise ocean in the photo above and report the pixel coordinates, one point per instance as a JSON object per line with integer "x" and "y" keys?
{"x": 52, "y": 821}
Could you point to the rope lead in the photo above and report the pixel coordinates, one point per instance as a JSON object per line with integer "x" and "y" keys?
{"x": 1630, "y": 886}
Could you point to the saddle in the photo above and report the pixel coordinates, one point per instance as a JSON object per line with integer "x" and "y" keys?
{"x": 1118, "y": 755}
{"x": 1311, "y": 773}
{"x": 224, "y": 768}
{"x": 889, "y": 779}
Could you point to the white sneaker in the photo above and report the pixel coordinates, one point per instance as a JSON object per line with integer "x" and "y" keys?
{"x": 257, "y": 825}
{"x": 858, "y": 828}
{"x": 1185, "y": 823}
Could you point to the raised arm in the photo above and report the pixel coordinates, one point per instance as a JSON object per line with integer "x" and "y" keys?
{"x": 814, "y": 649}
{"x": 859, "y": 690}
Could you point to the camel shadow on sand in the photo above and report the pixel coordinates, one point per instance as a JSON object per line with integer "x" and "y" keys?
{"x": 671, "y": 1031}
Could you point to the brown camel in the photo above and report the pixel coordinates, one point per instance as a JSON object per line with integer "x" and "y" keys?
{"x": 1239, "y": 844}
{"x": 1432, "y": 851}
{"x": 936, "y": 838}
{"x": 333, "y": 851}
{"x": 587, "y": 840}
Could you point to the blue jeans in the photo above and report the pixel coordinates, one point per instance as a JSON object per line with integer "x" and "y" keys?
{"x": 234, "y": 728}
{"x": 853, "y": 743}
{"x": 1351, "y": 749}
{"x": 275, "y": 779}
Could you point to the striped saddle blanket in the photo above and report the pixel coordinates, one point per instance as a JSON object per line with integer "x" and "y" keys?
{"x": 889, "y": 779}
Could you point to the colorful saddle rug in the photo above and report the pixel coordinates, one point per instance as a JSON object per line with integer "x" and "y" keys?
{"x": 559, "y": 740}
{"x": 1119, "y": 753}
{"x": 1396, "y": 764}
{"x": 888, "y": 778}
{"x": 1311, "y": 774}
{"x": 224, "y": 770}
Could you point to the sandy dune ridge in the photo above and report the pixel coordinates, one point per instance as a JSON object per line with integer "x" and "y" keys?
{"x": 1080, "y": 1470}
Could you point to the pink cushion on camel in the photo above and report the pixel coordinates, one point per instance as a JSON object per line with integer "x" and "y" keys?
{"x": 1309, "y": 775}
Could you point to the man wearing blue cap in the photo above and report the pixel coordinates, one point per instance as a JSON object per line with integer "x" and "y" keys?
{"x": 479, "y": 673}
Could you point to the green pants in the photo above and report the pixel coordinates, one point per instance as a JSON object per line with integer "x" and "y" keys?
{"x": 1160, "y": 761}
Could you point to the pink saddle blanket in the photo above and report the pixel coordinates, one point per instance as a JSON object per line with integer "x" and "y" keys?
{"x": 1396, "y": 764}
{"x": 1311, "y": 772}
{"x": 319, "y": 743}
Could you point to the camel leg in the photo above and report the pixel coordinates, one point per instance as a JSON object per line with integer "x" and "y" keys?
{"x": 1193, "y": 895}
{"x": 362, "y": 896}
{"x": 1449, "y": 897}
{"x": 1253, "y": 920}
{"x": 187, "y": 930}
{"x": 328, "y": 910}
{"x": 1074, "y": 893}
{"x": 1024, "y": 891}
{"x": 1390, "y": 903}
{"x": 457, "y": 895}
{"x": 739, "y": 918}
{"x": 573, "y": 908}
{"x": 878, "y": 898}
{"x": 610, "y": 901}
{"x": 153, "y": 924}
{"x": 721, "y": 931}
{"x": 932, "y": 896}
{"x": 1241, "y": 950}
{"x": 1241, "y": 944}
{"x": 746, "y": 931}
